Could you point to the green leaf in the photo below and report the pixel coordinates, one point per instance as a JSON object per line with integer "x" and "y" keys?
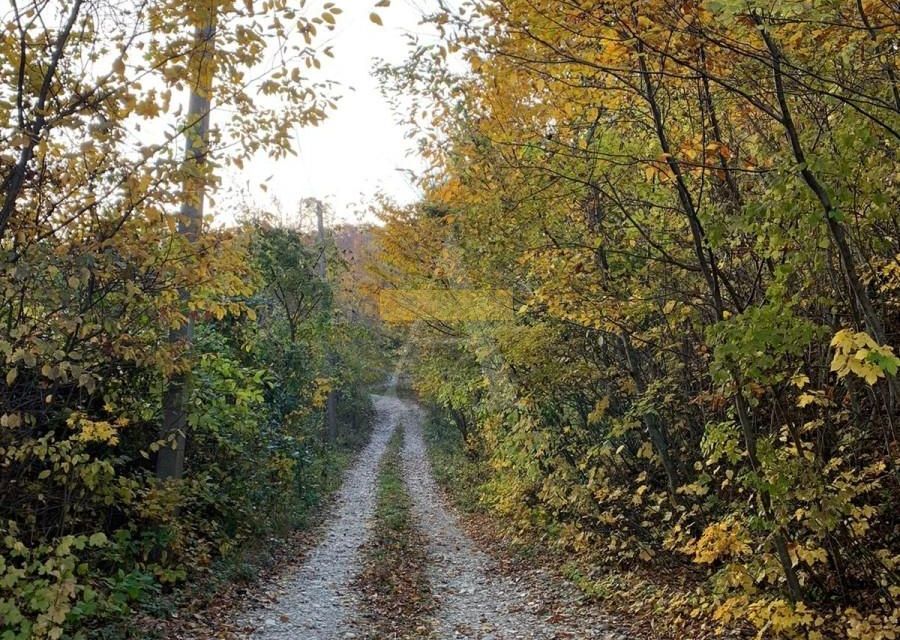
{"x": 98, "y": 539}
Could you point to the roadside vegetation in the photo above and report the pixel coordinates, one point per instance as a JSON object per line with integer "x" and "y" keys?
{"x": 458, "y": 468}
{"x": 165, "y": 380}
{"x": 93, "y": 540}
{"x": 658, "y": 240}
{"x": 681, "y": 222}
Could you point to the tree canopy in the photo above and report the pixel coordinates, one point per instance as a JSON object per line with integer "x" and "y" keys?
{"x": 694, "y": 206}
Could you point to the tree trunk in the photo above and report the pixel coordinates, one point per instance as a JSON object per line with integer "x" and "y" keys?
{"x": 170, "y": 460}
{"x": 331, "y": 417}
{"x": 858, "y": 293}
{"x": 779, "y": 534}
{"x": 331, "y": 403}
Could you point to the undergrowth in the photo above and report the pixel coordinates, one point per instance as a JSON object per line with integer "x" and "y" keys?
{"x": 455, "y": 466}
{"x": 656, "y": 605}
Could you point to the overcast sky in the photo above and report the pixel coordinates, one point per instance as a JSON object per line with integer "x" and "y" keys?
{"x": 359, "y": 150}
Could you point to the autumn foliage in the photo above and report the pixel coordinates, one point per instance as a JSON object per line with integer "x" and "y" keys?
{"x": 695, "y": 208}
{"x": 96, "y": 276}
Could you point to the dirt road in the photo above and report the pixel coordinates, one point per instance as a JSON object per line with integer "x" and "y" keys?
{"x": 474, "y": 599}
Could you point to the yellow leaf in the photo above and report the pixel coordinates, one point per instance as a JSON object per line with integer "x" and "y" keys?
{"x": 838, "y": 362}
{"x": 374, "y": 17}
{"x": 98, "y": 539}
{"x": 843, "y": 339}
{"x": 599, "y": 409}
{"x": 800, "y": 380}
{"x": 805, "y": 399}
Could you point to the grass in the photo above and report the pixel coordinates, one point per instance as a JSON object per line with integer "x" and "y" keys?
{"x": 393, "y": 584}
{"x": 393, "y": 512}
{"x": 455, "y": 470}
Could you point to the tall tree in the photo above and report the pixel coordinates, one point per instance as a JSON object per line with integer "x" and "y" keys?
{"x": 322, "y": 266}
{"x": 170, "y": 459}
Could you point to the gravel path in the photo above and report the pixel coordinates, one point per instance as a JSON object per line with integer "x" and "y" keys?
{"x": 318, "y": 602}
{"x": 475, "y": 600}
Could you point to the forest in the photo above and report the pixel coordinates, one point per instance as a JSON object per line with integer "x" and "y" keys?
{"x": 661, "y": 244}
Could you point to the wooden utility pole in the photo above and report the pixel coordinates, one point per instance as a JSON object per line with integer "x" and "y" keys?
{"x": 170, "y": 459}
{"x": 320, "y": 222}
{"x": 331, "y": 401}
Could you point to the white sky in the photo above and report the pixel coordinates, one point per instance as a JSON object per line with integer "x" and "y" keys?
{"x": 359, "y": 150}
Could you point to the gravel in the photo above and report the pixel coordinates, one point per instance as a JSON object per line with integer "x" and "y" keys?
{"x": 318, "y": 602}
{"x": 476, "y": 600}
